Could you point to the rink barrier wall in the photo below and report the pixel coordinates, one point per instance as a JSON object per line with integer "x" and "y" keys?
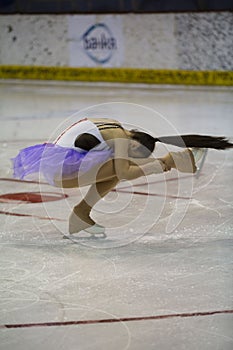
{"x": 118, "y": 75}
{"x": 181, "y": 41}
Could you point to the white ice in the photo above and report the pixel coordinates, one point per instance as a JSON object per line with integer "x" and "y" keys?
{"x": 169, "y": 252}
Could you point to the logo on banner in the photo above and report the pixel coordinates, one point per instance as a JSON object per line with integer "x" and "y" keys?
{"x": 99, "y": 43}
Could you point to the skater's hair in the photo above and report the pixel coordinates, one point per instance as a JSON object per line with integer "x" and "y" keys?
{"x": 147, "y": 142}
{"x": 86, "y": 141}
{"x": 201, "y": 141}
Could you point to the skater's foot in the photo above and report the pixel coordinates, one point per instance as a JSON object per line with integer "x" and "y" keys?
{"x": 80, "y": 220}
{"x": 94, "y": 230}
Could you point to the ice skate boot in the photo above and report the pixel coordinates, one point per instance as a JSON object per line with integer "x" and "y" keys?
{"x": 198, "y": 153}
{"x": 182, "y": 161}
{"x": 96, "y": 231}
{"x": 199, "y": 156}
{"x": 79, "y": 225}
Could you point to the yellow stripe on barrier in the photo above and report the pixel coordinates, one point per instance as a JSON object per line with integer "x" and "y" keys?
{"x": 118, "y": 75}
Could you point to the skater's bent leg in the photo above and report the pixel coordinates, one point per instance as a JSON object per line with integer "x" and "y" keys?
{"x": 80, "y": 218}
{"x": 102, "y": 180}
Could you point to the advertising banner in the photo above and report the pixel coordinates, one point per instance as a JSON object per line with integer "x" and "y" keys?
{"x": 95, "y": 40}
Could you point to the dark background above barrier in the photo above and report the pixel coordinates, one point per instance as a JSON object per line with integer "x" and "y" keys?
{"x": 113, "y": 6}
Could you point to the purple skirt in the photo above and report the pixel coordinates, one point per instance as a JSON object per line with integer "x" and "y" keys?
{"x": 51, "y": 160}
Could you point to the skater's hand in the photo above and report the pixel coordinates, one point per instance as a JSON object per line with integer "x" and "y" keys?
{"x": 166, "y": 167}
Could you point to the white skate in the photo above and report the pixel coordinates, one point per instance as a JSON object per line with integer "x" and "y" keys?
{"x": 199, "y": 155}
{"x": 96, "y": 231}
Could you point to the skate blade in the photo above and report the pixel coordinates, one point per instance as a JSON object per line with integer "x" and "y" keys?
{"x": 201, "y": 163}
{"x": 95, "y": 229}
{"x": 79, "y": 236}
{"x": 198, "y": 153}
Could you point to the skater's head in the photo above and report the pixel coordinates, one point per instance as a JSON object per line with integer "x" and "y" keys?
{"x": 141, "y": 145}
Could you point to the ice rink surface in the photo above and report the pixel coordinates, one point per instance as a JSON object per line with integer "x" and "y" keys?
{"x": 162, "y": 279}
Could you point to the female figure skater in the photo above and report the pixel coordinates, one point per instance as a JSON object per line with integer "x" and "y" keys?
{"x": 100, "y": 153}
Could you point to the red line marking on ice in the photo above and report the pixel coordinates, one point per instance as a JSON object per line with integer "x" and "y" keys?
{"x": 29, "y": 215}
{"x": 31, "y": 197}
{"x": 23, "y": 181}
{"x": 151, "y": 194}
{"x": 160, "y": 181}
{"x": 121, "y": 189}
{"x": 117, "y": 320}
{"x": 135, "y": 185}
{"x": 26, "y": 215}
{"x": 152, "y": 183}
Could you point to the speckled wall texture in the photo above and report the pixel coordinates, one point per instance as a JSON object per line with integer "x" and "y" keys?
{"x": 195, "y": 41}
{"x": 204, "y": 41}
{"x": 33, "y": 40}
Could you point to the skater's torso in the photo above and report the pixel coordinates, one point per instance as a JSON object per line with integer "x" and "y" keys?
{"x": 102, "y": 130}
